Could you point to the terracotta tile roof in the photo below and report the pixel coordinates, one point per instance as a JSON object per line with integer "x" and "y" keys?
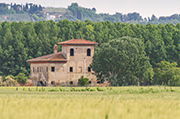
{"x": 51, "y": 57}
{"x": 78, "y": 42}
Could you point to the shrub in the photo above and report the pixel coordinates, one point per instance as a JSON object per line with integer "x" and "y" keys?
{"x": 73, "y": 89}
{"x": 60, "y": 89}
{"x": 83, "y": 81}
{"x": 83, "y": 89}
{"x": 13, "y": 77}
{"x": 78, "y": 89}
{"x": 21, "y": 78}
{"x": 4, "y": 78}
{"x": 53, "y": 90}
{"x": 98, "y": 89}
{"x": 11, "y": 82}
{"x": 88, "y": 89}
{"x": 92, "y": 89}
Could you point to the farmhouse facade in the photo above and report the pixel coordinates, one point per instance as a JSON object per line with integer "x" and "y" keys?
{"x": 64, "y": 67}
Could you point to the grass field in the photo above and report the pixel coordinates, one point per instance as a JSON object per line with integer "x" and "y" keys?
{"x": 118, "y": 103}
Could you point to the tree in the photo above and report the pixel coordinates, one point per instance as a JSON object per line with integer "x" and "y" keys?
{"x": 121, "y": 61}
{"x": 149, "y": 76}
{"x": 21, "y": 78}
{"x": 153, "y": 18}
{"x": 1, "y": 61}
{"x": 162, "y": 71}
{"x": 94, "y": 9}
{"x": 173, "y": 75}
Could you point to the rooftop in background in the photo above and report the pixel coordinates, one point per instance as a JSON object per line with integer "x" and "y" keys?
{"x": 77, "y": 42}
{"x": 55, "y": 57}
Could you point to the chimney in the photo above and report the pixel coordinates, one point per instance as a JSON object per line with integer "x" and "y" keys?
{"x": 55, "y": 48}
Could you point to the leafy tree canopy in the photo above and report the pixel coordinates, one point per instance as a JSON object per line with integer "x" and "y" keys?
{"x": 121, "y": 60}
{"x": 162, "y": 69}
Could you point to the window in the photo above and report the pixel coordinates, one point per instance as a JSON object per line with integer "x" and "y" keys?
{"x": 89, "y": 82}
{"x": 88, "y": 52}
{"x": 80, "y": 69}
{"x": 46, "y": 69}
{"x": 89, "y": 69}
{"x": 40, "y": 69}
{"x": 53, "y": 69}
{"x": 37, "y": 69}
{"x": 71, "y": 69}
{"x": 71, "y": 82}
{"x": 71, "y": 52}
{"x": 33, "y": 69}
{"x": 52, "y": 82}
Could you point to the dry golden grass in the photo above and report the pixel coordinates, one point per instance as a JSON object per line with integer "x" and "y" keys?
{"x": 115, "y": 104}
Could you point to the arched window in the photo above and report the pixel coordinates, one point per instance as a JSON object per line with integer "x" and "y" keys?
{"x": 88, "y": 52}
{"x": 71, "y": 52}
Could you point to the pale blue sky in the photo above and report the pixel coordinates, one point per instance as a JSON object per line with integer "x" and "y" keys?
{"x": 145, "y": 7}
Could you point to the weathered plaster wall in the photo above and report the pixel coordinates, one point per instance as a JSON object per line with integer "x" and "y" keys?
{"x": 80, "y": 63}
{"x": 60, "y": 74}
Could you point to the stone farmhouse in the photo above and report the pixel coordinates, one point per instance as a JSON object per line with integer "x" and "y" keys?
{"x": 64, "y": 67}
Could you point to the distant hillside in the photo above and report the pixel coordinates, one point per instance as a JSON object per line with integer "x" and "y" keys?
{"x": 18, "y": 12}
{"x": 32, "y": 12}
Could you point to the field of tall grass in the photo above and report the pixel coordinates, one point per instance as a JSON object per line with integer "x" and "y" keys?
{"x": 111, "y": 103}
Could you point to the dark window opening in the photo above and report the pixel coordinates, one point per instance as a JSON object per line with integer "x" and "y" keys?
{"x": 98, "y": 82}
{"x": 40, "y": 69}
{"x": 37, "y": 69}
{"x": 71, "y": 69}
{"x": 89, "y": 69}
{"x": 46, "y": 69}
{"x": 53, "y": 69}
{"x": 33, "y": 69}
{"x": 71, "y": 52}
{"x": 89, "y": 82}
{"x": 52, "y": 82}
{"x": 88, "y": 52}
{"x": 71, "y": 82}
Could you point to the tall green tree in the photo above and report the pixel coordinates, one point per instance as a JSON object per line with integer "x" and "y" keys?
{"x": 121, "y": 61}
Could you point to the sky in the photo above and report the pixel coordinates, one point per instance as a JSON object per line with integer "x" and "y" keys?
{"x": 145, "y": 7}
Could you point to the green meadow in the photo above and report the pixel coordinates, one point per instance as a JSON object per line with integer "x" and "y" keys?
{"x": 74, "y": 103}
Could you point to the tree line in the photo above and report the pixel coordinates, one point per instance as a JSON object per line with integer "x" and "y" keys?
{"x": 19, "y": 8}
{"x": 80, "y": 13}
{"x": 19, "y": 12}
{"x": 20, "y": 41}
{"x": 123, "y": 61}
{"x": 75, "y": 12}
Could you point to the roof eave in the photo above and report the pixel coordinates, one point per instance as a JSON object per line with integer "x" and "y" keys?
{"x": 76, "y": 44}
{"x": 47, "y": 61}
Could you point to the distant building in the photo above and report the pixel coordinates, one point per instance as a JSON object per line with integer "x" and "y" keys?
{"x": 5, "y": 17}
{"x": 64, "y": 67}
{"x": 52, "y": 16}
{"x": 9, "y": 7}
{"x": 19, "y": 8}
{"x": 58, "y": 15}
